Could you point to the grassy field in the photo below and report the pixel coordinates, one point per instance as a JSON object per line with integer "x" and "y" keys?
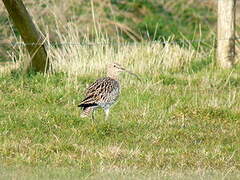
{"x": 181, "y": 120}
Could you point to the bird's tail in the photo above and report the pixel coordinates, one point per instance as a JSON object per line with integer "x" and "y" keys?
{"x": 86, "y": 112}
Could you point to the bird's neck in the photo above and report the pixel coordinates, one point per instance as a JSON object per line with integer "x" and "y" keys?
{"x": 112, "y": 75}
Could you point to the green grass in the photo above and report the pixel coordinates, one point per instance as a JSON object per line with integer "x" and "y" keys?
{"x": 174, "y": 122}
{"x": 180, "y": 122}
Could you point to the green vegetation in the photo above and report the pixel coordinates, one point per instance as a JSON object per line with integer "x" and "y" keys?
{"x": 172, "y": 122}
{"x": 180, "y": 121}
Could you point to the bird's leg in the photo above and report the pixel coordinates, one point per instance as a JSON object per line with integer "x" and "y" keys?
{"x": 106, "y": 113}
{"x": 93, "y": 118}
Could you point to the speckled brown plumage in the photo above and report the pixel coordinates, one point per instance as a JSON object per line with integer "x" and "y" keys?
{"x": 104, "y": 92}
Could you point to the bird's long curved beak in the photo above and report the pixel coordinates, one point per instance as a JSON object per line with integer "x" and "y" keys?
{"x": 129, "y": 72}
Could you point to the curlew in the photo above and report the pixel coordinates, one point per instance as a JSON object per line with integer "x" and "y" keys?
{"x": 104, "y": 92}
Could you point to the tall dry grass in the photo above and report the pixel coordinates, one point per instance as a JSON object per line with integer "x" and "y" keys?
{"x": 80, "y": 54}
{"x": 91, "y": 57}
{"x": 85, "y": 15}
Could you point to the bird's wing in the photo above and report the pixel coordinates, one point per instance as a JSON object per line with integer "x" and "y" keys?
{"x": 97, "y": 91}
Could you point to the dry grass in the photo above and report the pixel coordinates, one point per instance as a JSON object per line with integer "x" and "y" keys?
{"x": 90, "y": 57}
{"x": 62, "y": 21}
{"x": 142, "y": 58}
{"x": 61, "y": 13}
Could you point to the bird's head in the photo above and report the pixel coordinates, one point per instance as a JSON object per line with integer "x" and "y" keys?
{"x": 114, "y": 69}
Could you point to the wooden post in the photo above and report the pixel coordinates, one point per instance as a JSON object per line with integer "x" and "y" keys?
{"x": 30, "y": 34}
{"x": 226, "y": 33}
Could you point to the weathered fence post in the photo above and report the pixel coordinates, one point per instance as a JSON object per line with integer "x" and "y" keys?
{"x": 30, "y": 34}
{"x": 226, "y": 33}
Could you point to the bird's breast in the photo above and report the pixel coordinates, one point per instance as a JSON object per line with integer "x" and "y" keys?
{"x": 111, "y": 95}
